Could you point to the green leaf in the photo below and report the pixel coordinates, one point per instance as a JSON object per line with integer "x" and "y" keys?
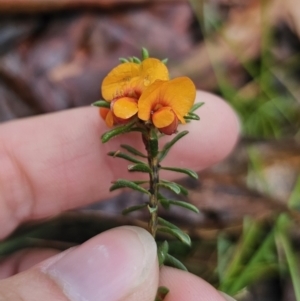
{"x": 101, "y": 103}
{"x": 161, "y": 294}
{"x": 130, "y": 59}
{"x": 133, "y": 151}
{"x": 162, "y": 251}
{"x": 145, "y": 53}
{"x": 170, "y": 185}
{"x": 133, "y": 208}
{"x": 121, "y": 183}
{"x": 136, "y": 60}
{"x": 163, "y": 222}
{"x": 141, "y": 167}
{"x": 177, "y": 188}
{"x": 167, "y": 147}
{"x": 191, "y": 116}
{"x": 172, "y": 261}
{"x": 117, "y": 131}
{"x": 196, "y": 106}
{"x": 176, "y": 232}
{"x": 167, "y": 202}
{"x": 165, "y": 61}
{"x": 183, "y": 190}
{"x": 119, "y": 154}
{"x": 123, "y": 60}
{"x": 186, "y": 171}
{"x": 138, "y": 129}
{"x": 140, "y": 182}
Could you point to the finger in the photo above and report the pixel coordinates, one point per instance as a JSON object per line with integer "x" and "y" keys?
{"x": 56, "y": 162}
{"x": 187, "y": 287}
{"x": 119, "y": 264}
{"x": 23, "y": 260}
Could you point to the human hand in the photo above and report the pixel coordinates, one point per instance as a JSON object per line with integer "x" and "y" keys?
{"x": 56, "y": 162}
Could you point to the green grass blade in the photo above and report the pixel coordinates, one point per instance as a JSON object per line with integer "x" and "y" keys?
{"x": 291, "y": 257}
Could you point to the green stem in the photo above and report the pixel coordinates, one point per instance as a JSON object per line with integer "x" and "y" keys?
{"x": 154, "y": 180}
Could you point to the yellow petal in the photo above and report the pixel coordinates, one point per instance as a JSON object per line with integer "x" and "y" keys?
{"x": 109, "y": 120}
{"x": 163, "y": 117}
{"x": 152, "y": 69}
{"x": 125, "y": 107}
{"x": 149, "y": 99}
{"x": 117, "y": 79}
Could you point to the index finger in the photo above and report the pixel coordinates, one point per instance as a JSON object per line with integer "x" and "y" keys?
{"x": 56, "y": 162}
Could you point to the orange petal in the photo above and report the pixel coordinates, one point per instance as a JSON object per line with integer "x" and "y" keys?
{"x": 163, "y": 117}
{"x": 152, "y": 69}
{"x": 179, "y": 94}
{"x": 109, "y": 120}
{"x": 170, "y": 129}
{"x": 125, "y": 107}
{"x": 149, "y": 99}
{"x": 103, "y": 112}
{"x": 117, "y": 79}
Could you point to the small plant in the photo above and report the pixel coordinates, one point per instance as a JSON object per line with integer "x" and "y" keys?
{"x": 140, "y": 97}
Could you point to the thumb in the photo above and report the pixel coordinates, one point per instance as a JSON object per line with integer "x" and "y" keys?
{"x": 119, "y": 264}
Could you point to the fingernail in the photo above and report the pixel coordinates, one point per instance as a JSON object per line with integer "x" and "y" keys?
{"x": 227, "y": 297}
{"x": 107, "y": 267}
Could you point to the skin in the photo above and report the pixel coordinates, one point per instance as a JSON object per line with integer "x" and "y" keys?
{"x": 55, "y": 162}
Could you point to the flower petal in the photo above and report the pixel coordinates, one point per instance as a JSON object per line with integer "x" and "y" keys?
{"x": 152, "y": 69}
{"x": 125, "y": 107}
{"x": 149, "y": 99}
{"x": 109, "y": 120}
{"x": 103, "y": 112}
{"x": 170, "y": 129}
{"x": 163, "y": 117}
{"x": 179, "y": 94}
{"x": 117, "y": 79}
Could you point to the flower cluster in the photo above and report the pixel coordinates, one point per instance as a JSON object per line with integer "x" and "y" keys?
{"x": 143, "y": 90}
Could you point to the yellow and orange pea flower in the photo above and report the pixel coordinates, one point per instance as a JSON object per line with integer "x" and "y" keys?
{"x": 166, "y": 102}
{"x": 124, "y": 85}
{"x": 146, "y": 91}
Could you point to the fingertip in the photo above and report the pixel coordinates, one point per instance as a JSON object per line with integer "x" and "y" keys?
{"x": 119, "y": 264}
{"x": 186, "y": 286}
{"x": 211, "y": 139}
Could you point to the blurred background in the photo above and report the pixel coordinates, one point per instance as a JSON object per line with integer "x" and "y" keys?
{"x": 54, "y": 55}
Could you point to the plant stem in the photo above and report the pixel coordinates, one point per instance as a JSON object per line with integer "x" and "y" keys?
{"x": 154, "y": 180}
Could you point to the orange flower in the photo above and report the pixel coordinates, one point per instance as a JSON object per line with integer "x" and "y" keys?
{"x": 123, "y": 86}
{"x": 166, "y": 103}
